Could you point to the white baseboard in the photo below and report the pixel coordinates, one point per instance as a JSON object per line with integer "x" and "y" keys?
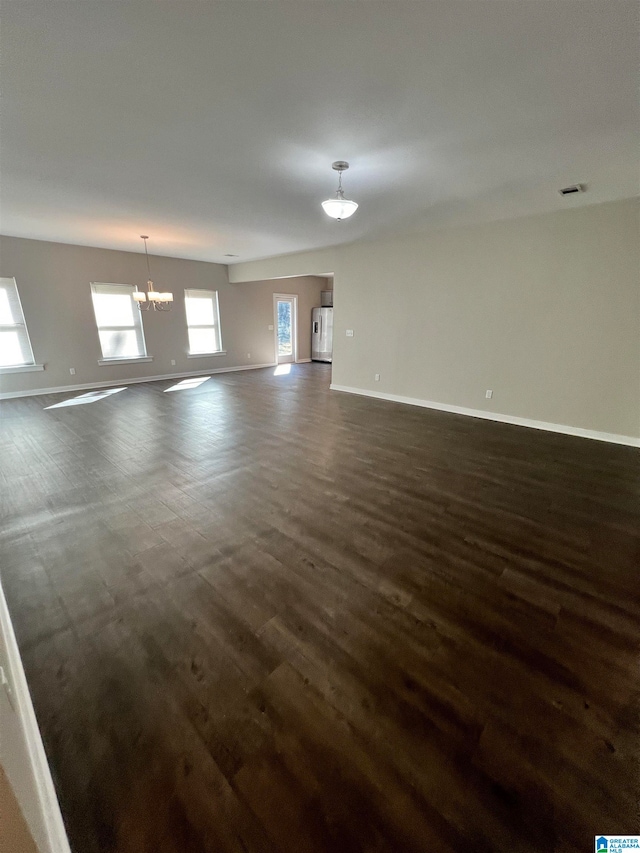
{"x": 613, "y": 438}
{"x": 38, "y": 392}
{"x": 303, "y": 361}
{"x": 33, "y": 785}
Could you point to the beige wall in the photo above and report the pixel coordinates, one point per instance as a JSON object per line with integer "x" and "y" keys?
{"x": 53, "y": 281}
{"x": 15, "y": 836}
{"x": 543, "y": 310}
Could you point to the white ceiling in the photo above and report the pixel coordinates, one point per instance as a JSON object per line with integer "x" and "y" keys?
{"x": 211, "y": 126}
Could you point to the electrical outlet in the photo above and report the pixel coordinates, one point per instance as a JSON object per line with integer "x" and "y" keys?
{"x": 377, "y": 377}
{"x": 173, "y": 362}
{"x": 72, "y": 371}
{"x": 349, "y": 333}
{"x": 248, "y": 355}
{"x": 489, "y": 394}
{"x": 271, "y": 327}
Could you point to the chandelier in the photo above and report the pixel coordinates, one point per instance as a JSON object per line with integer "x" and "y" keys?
{"x": 151, "y": 299}
{"x": 339, "y": 207}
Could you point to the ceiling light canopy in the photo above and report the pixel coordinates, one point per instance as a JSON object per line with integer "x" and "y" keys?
{"x": 144, "y": 301}
{"x": 339, "y": 207}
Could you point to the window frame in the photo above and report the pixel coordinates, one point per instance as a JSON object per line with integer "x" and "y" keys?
{"x": 10, "y": 283}
{"x": 216, "y": 325}
{"x": 137, "y": 327}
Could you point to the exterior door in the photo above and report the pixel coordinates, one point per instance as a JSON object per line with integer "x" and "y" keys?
{"x": 285, "y": 310}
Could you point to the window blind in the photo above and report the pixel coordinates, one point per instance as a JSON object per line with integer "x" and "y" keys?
{"x": 118, "y": 320}
{"x": 203, "y": 321}
{"x": 15, "y": 346}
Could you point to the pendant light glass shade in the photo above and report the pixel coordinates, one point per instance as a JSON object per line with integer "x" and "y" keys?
{"x": 339, "y": 207}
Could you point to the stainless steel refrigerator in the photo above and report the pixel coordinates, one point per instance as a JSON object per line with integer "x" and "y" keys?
{"x": 321, "y": 334}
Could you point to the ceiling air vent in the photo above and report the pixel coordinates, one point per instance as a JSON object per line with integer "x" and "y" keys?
{"x": 574, "y": 188}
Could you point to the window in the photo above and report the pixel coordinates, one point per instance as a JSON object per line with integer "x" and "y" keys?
{"x": 203, "y": 322}
{"x": 119, "y": 322}
{"x": 15, "y": 346}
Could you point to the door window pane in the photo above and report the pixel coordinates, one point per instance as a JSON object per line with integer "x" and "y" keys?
{"x": 285, "y": 338}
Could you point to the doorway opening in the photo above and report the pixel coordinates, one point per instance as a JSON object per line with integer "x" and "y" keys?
{"x": 285, "y": 309}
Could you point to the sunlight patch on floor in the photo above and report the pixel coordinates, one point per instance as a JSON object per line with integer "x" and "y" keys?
{"x": 91, "y": 397}
{"x": 192, "y": 382}
{"x": 282, "y": 370}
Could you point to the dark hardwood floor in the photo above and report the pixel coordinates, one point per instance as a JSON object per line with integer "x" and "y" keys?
{"x": 260, "y": 616}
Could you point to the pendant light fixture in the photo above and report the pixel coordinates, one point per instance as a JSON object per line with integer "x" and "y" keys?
{"x": 145, "y": 301}
{"x": 339, "y": 207}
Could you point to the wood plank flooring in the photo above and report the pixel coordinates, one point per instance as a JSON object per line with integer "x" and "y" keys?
{"x": 262, "y": 617}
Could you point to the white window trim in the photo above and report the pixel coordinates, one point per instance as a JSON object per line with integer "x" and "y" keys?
{"x": 108, "y": 361}
{"x": 131, "y": 359}
{"x": 216, "y": 325}
{"x": 22, "y": 368}
{"x": 205, "y": 354}
{"x": 28, "y": 365}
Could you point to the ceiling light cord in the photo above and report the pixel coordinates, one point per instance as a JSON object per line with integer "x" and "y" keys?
{"x": 146, "y": 254}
